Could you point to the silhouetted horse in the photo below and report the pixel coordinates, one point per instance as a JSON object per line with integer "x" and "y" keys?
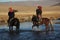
{"x": 13, "y": 22}
{"x": 45, "y": 21}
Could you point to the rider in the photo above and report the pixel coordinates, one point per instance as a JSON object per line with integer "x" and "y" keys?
{"x": 11, "y": 13}
{"x": 39, "y": 12}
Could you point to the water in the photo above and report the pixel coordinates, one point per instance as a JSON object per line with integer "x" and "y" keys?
{"x": 56, "y": 21}
{"x": 27, "y": 34}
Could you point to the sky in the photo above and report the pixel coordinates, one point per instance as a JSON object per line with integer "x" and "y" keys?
{"x": 17, "y": 0}
{"x": 27, "y": 0}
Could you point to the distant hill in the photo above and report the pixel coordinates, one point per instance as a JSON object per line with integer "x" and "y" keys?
{"x": 58, "y": 4}
{"x": 22, "y": 3}
{"x": 29, "y": 3}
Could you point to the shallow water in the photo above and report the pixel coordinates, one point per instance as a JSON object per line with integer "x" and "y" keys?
{"x": 27, "y": 34}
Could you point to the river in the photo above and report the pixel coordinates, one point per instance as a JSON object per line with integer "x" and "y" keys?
{"x": 27, "y": 34}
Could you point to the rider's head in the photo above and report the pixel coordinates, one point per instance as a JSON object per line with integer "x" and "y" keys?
{"x": 11, "y": 9}
{"x": 39, "y": 7}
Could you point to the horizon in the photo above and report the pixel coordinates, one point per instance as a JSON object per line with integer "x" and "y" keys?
{"x": 35, "y": 2}
{"x": 31, "y": 2}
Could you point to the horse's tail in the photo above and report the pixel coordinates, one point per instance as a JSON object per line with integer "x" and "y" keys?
{"x": 51, "y": 24}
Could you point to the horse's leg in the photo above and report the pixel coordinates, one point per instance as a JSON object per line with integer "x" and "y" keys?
{"x": 34, "y": 23}
{"x": 17, "y": 28}
{"x": 51, "y": 24}
{"x": 47, "y": 27}
{"x": 38, "y": 27}
{"x": 33, "y": 26}
{"x": 10, "y": 28}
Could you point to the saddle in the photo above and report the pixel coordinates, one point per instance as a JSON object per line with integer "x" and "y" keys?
{"x": 9, "y": 20}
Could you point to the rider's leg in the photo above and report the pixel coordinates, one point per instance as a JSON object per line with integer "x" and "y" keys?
{"x": 8, "y": 20}
{"x": 39, "y": 16}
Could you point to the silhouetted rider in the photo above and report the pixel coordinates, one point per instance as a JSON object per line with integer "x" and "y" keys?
{"x": 39, "y": 12}
{"x": 11, "y": 13}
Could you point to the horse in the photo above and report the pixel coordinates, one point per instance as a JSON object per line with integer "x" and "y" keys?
{"x": 13, "y": 22}
{"x": 46, "y": 21}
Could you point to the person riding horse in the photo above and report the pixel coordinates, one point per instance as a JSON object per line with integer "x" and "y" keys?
{"x": 39, "y": 12}
{"x": 11, "y": 13}
{"x": 38, "y": 16}
{"x": 12, "y": 21}
{"x": 35, "y": 21}
{"x": 38, "y": 20}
